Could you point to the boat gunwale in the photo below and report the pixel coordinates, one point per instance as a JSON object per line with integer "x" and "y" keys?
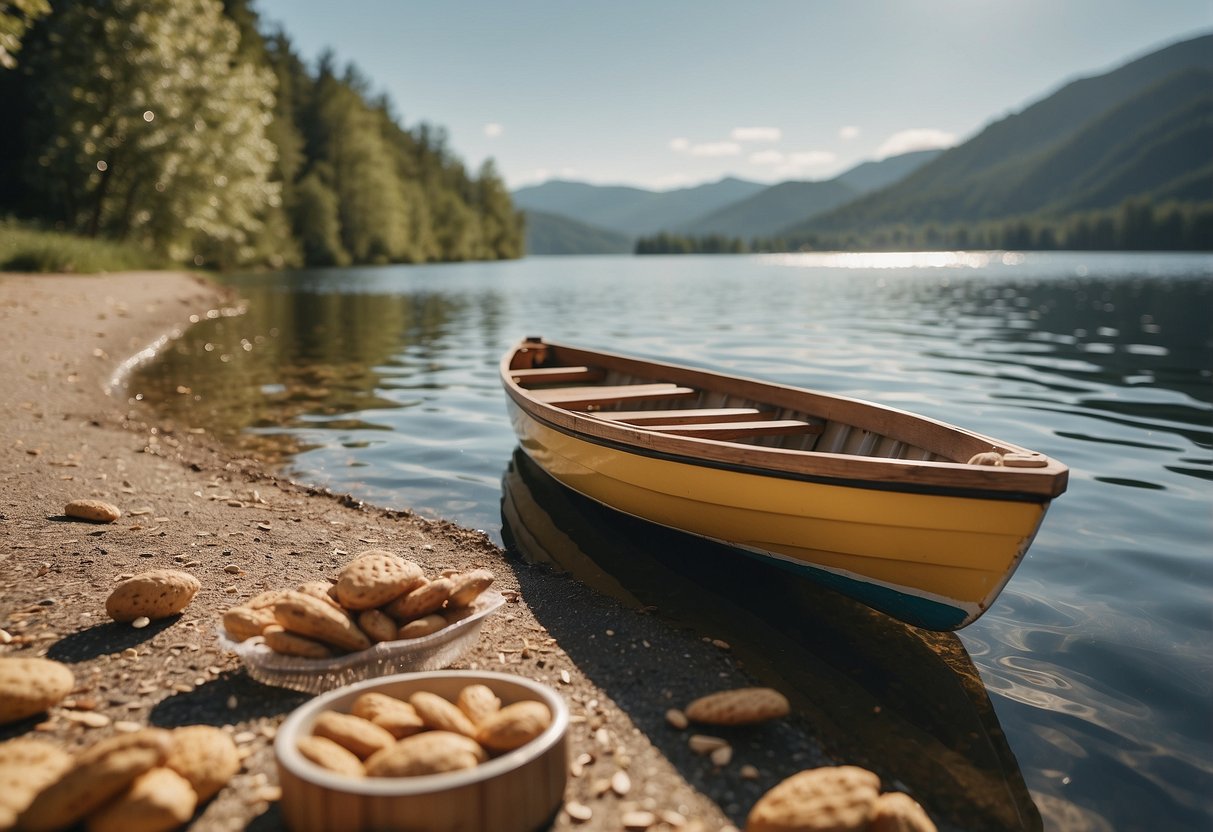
{"x": 1038, "y": 484}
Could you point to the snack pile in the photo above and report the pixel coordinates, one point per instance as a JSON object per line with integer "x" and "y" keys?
{"x": 379, "y": 596}
{"x": 383, "y": 736}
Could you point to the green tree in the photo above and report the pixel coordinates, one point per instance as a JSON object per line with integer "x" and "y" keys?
{"x": 16, "y": 16}
{"x": 317, "y": 223}
{"x": 151, "y": 129}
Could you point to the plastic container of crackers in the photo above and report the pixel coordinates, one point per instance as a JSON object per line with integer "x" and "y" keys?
{"x": 432, "y": 652}
{"x": 381, "y": 616}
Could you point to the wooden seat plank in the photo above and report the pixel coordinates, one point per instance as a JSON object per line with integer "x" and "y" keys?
{"x": 738, "y": 430}
{"x": 588, "y": 398}
{"x": 687, "y": 415}
{"x": 555, "y": 375}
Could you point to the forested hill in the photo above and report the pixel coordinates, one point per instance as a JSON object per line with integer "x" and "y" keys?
{"x": 193, "y": 128}
{"x": 554, "y": 234}
{"x": 1142, "y": 131}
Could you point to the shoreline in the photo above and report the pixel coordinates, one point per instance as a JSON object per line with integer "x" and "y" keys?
{"x": 189, "y": 503}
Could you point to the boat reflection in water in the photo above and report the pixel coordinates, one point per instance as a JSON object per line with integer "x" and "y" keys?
{"x": 905, "y": 701}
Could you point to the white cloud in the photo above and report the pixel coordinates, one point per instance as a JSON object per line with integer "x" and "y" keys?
{"x": 766, "y": 157}
{"x": 493, "y": 130}
{"x": 680, "y": 145}
{"x": 849, "y": 132}
{"x": 716, "y": 149}
{"x": 811, "y": 158}
{"x": 918, "y": 138}
{"x": 756, "y": 134}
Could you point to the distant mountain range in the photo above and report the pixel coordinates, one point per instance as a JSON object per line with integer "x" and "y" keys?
{"x": 1145, "y": 129}
{"x": 578, "y": 218}
{"x": 1142, "y": 130}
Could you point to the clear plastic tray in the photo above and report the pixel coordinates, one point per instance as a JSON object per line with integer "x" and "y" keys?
{"x": 432, "y": 652}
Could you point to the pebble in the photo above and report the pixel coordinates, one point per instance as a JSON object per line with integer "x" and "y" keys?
{"x": 676, "y": 718}
{"x": 232, "y": 569}
{"x": 141, "y": 622}
{"x": 704, "y": 744}
{"x": 89, "y": 719}
{"x": 579, "y": 811}
{"x": 748, "y": 772}
{"x": 638, "y": 820}
{"x": 722, "y": 756}
{"x": 621, "y": 784}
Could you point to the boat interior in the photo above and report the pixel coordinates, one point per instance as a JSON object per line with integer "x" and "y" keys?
{"x": 680, "y": 407}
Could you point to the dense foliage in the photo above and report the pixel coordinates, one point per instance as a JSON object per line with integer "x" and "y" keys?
{"x": 180, "y": 125}
{"x": 1136, "y": 225}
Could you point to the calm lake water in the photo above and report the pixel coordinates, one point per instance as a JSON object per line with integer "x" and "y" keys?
{"x": 1098, "y": 656}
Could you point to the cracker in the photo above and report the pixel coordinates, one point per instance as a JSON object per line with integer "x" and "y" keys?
{"x": 742, "y": 706}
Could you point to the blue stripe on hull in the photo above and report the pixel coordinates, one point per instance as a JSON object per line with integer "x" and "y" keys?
{"x": 912, "y": 609}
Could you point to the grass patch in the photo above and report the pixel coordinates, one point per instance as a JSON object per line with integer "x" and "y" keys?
{"x": 27, "y": 249}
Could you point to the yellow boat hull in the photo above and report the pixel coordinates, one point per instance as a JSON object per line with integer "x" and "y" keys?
{"x": 934, "y": 560}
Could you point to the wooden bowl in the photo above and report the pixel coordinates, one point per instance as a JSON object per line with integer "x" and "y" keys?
{"x": 515, "y": 792}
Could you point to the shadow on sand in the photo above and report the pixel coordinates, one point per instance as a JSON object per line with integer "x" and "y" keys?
{"x": 865, "y": 688}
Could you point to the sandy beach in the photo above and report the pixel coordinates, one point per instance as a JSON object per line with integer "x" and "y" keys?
{"x": 190, "y": 504}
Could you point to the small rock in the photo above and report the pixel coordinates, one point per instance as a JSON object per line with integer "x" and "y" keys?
{"x": 676, "y": 718}
{"x": 638, "y": 820}
{"x": 621, "y": 784}
{"x": 579, "y": 811}
{"x": 722, "y": 756}
{"x": 704, "y": 744}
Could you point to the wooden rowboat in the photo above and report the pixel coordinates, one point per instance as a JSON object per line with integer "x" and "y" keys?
{"x": 914, "y": 517}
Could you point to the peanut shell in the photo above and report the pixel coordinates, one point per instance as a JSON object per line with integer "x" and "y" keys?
{"x": 425, "y": 599}
{"x": 287, "y": 643}
{"x": 27, "y": 766}
{"x": 432, "y": 752}
{"x": 467, "y": 587}
{"x": 426, "y": 625}
{"x": 310, "y": 617}
{"x": 359, "y": 736}
{"x": 831, "y": 799}
{"x": 99, "y": 774}
{"x": 205, "y": 756}
{"x": 514, "y": 726}
{"x": 328, "y": 754}
{"x": 374, "y": 578}
{"x": 95, "y": 511}
{"x": 242, "y": 623}
{"x": 155, "y": 594}
{"x": 397, "y": 717}
{"x": 439, "y": 714}
{"x": 378, "y": 626}
{"x": 898, "y": 812}
{"x": 742, "y": 706}
{"x": 158, "y": 800}
{"x": 478, "y": 702}
{"x": 30, "y": 685}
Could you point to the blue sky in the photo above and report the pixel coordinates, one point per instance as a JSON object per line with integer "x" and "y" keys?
{"x": 669, "y": 93}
